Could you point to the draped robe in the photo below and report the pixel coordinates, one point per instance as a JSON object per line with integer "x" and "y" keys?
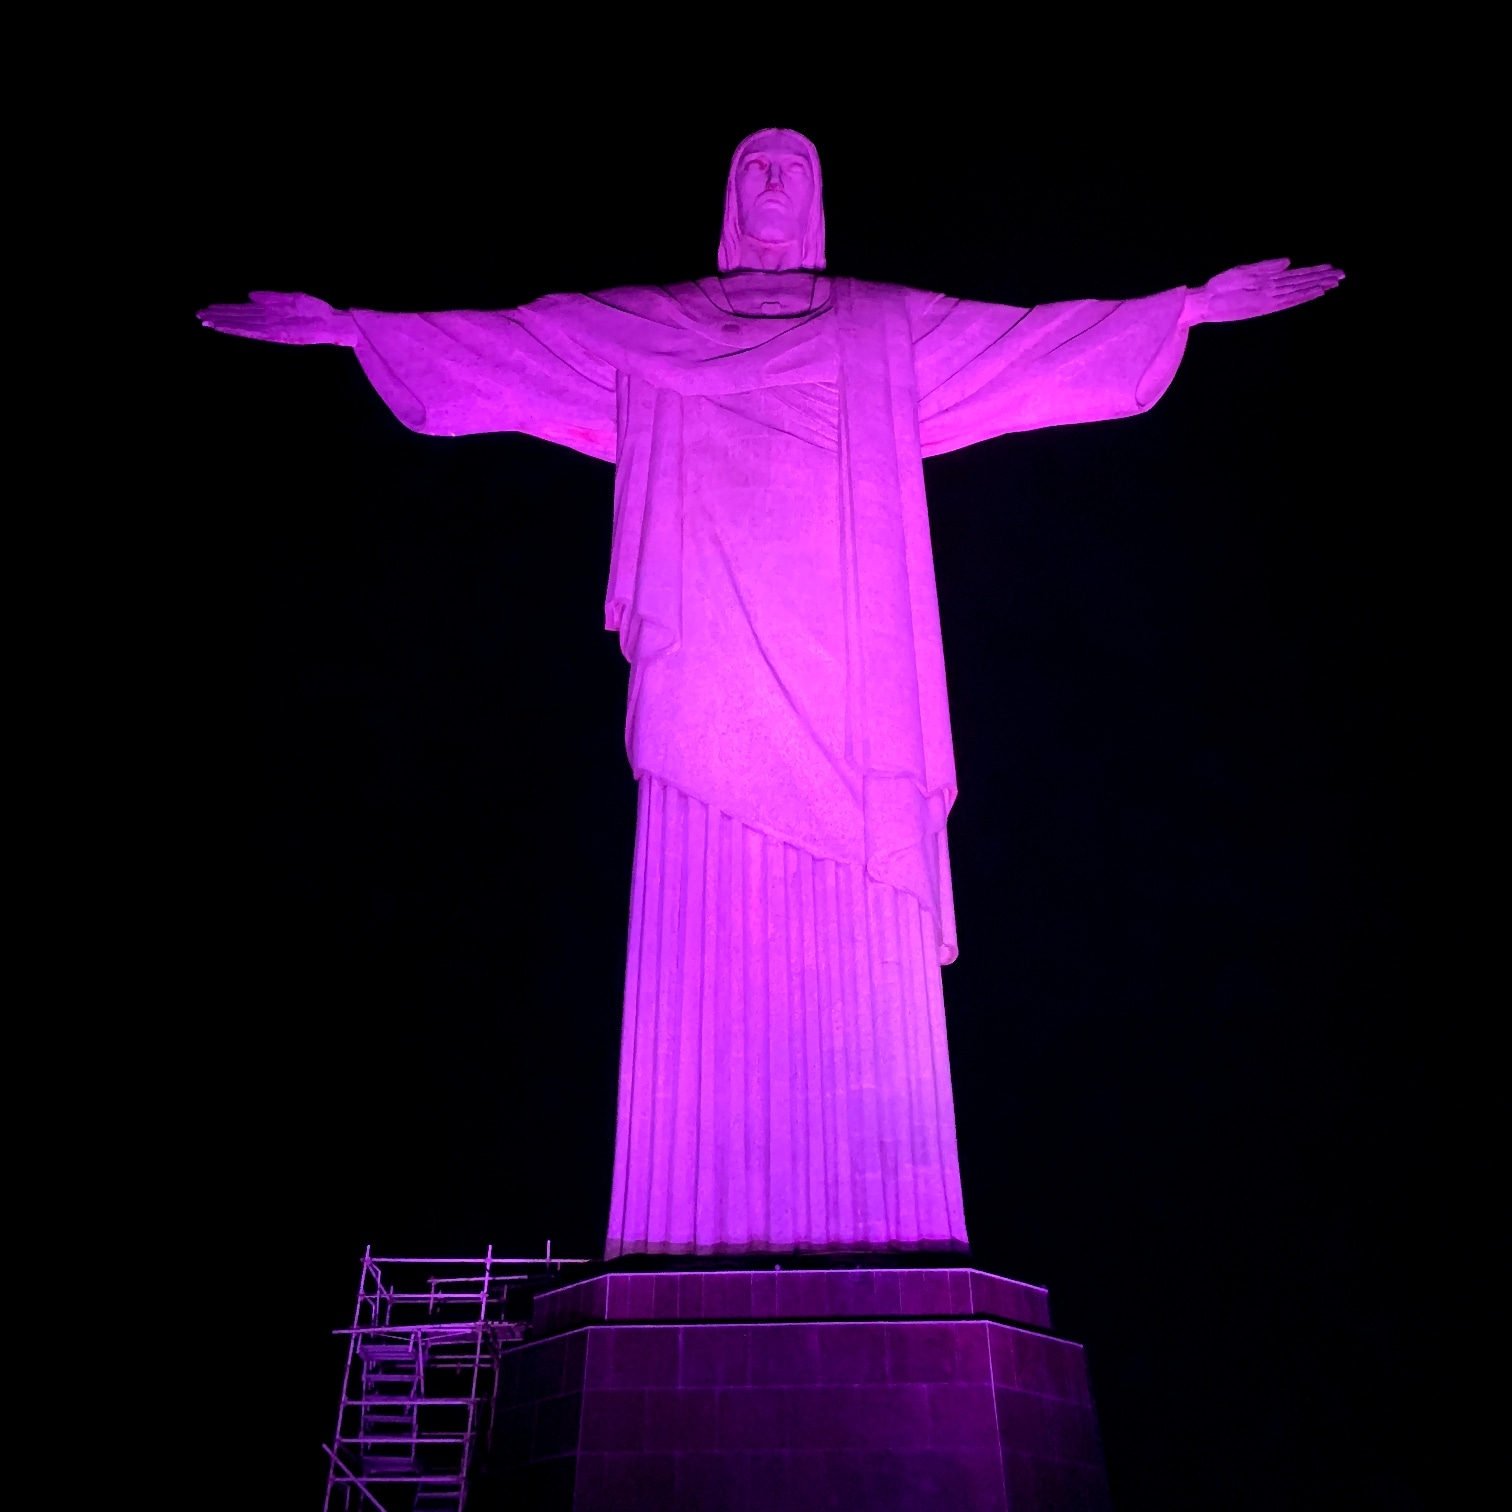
{"x": 784, "y": 1080}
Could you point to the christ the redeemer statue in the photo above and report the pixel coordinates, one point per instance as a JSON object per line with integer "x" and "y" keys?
{"x": 784, "y": 1081}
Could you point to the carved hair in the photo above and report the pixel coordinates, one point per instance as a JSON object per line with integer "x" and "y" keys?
{"x": 812, "y": 250}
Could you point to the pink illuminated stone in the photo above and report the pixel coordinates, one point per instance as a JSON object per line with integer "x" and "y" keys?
{"x": 784, "y": 1082}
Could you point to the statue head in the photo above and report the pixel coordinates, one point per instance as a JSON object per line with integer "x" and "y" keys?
{"x": 774, "y": 204}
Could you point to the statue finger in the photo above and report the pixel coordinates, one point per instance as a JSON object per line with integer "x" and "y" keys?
{"x": 1304, "y": 275}
{"x": 1302, "y": 296}
{"x": 228, "y": 315}
{"x": 253, "y": 333}
{"x": 1283, "y": 291}
{"x": 242, "y": 327}
{"x": 249, "y": 317}
{"x": 1270, "y": 265}
{"x": 1317, "y": 281}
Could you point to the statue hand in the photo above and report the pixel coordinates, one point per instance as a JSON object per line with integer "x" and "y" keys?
{"x": 297, "y": 319}
{"x": 1257, "y": 289}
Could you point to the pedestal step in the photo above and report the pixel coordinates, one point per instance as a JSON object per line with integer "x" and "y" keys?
{"x": 772, "y": 1295}
{"x": 880, "y": 1414}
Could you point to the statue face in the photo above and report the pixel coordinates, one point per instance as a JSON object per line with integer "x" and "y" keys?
{"x": 774, "y": 187}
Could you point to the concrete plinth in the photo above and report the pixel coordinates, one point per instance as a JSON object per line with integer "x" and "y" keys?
{"x": 786, "y": 1391}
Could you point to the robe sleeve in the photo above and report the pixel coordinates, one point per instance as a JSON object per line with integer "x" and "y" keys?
{"x": 466, "y": 371}
{"x": 984, "y": 369}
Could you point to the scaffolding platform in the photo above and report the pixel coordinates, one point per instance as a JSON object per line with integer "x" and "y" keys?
{"x": 422, "y": 1373}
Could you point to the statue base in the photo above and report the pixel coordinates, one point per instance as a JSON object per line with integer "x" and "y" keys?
{"x": 790, "y": 1390}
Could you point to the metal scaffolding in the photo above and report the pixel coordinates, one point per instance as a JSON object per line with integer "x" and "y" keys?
{"x": 421, "y": 1372}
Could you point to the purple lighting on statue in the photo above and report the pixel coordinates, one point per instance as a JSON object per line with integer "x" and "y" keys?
{"x": 785, "y": 1083}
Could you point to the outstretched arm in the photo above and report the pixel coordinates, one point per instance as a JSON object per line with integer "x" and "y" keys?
{"x": 984, "y": 370}
{"x": 1259, "y": 288}
{"x": 449, "y": 374}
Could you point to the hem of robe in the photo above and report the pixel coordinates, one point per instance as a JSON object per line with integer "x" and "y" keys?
{"x": 919, "y": 1247}
{"x": 784, "y": 1075}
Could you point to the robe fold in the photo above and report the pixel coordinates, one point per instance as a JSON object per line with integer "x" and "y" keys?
{"x": 772, "y": 585}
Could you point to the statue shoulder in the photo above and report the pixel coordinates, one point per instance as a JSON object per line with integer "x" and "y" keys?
{"x": 652, "y": 301}
{"x": 900, "y": 307}
{"x": 868, "y": 288}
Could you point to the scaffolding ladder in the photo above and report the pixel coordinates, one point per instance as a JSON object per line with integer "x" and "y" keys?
{"x": 421, "y": 1371}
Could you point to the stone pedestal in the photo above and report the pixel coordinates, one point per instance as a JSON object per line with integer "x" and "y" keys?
{"x": 785, "y": 1391}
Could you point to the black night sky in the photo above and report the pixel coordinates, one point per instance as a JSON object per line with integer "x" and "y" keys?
{"x": 1179, "y": 1023}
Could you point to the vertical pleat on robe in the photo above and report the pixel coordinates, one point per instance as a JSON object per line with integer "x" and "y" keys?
{"x": 784, "y": 1082}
